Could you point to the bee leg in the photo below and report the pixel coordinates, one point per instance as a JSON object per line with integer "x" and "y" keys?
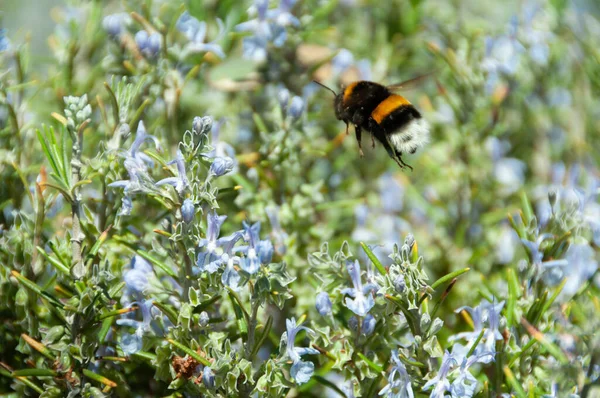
{"x": 347, "y": 132}
{"x": 399, "y": 157}
{"x": 358, "y": 132}
{"x": 372, "y": 141}
{"x": 389, "y": 150}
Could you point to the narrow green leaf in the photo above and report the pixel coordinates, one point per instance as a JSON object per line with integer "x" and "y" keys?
{"x": 514, "y": 383}
{"x": 168, "y": 311}
{"x": 190, "y": 352}
{"x": 145, "y": 355}
{"x": 265, "y": 333}
{"x": 157, "y": 262}
{"x": 34, "y": 372}
{"x": 373, "y": 259}
{"x": 371, "y": 364}
{"x": 449, "y": 277}
{"x": 549, "y": 302}
{"x": 62, "y": 268}
{"x": 527, "y": 210}
{"x": 99, "y": 378}
{"x": 514, "y": 292}
{"x": 35, "y": 288}
{"x": 327, "y": 383}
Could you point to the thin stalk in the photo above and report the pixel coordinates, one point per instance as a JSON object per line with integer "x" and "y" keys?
{"x": 78, "y": 268}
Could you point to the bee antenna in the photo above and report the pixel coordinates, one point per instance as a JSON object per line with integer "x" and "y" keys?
{"x": 322, "y": 85}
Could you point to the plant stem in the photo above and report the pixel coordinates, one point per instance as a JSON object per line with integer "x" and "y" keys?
{"x": 78, "y": 270}
{"x": 252, "y": 330}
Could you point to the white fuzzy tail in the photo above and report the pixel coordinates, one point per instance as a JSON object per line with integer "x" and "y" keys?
{"x": 410, "y": 137}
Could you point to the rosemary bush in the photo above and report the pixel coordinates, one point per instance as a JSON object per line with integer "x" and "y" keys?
{"x": 182, "y": 214}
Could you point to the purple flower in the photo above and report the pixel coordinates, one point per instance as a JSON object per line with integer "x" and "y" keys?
{"x": 195, "y": 31}
{"x": 323, "y": 304}
{"x": 398, "y": 380}
{"x": 362, "y": 301}
{"x": 301, "y": 371}
{"x": 149, "y": 45}
{"x": 181, "y": 182}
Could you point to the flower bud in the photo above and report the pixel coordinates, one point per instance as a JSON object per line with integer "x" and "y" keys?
{"x": 296, "y": 107}
{"x": 204, "y": 319}
{"x": 188, "y": 211}
{"x": 323, "y": 304}
{"x": 369, "y": 325}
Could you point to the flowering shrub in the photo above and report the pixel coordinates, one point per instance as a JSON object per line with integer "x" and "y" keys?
{"x": 183, "y": 215}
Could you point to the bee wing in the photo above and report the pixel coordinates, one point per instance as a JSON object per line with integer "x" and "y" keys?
{"x": 411, "y": 83}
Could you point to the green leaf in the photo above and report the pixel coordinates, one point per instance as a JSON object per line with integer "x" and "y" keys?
{"x": 373, "y": 259}
{"x": 514, "y": 383}
{"x": 449, "y": 277}
{"x": 190, "y": 352}
{"x": 514, "y": 292}
{"x": 370, "y": 363}
{"x": 166, "y": 269}
{"x": 34, "y": 372}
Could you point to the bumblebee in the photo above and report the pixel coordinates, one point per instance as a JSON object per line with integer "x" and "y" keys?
{"x": 390, "y": 118}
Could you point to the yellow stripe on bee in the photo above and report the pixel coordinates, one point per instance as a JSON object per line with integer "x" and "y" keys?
{"x": 387, "y": 106}
{"x": 348, "y": 90}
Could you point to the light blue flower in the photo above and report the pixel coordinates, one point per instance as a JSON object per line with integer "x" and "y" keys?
{"x": 4, "y": 41}
{"x": 484, "y": 314}
{"x": 208, "y": 377}
{"x": 195, "y": 31}
{"x": 132, "y": 342}
{"x": 230, "y": 277}
{"x": 580, "y": 265}
{"x": 440, "y": 382}
{"x": 296, "y": 107}
{"x": 368, "y": 325}
{"x": 399, "y": 385}
{"x": 323, "y": 304}
{"x": 136, "y": 279}
{"x": 269, "y": 26}
{"x": 181, "y": 182}
{"x": 341, "y": 62}
{"x": 301, "y": 371}
{"x": 221, "y": 166}
{"x": 362, "y": 301}
{"x": 148, "y": 44}
{"x": 208, "y": 259}
{"x": 188, "y": 211}
{"x": 277, "y": 233}
{"x": 115, "y": 24}
{"x": 257, "y": 252}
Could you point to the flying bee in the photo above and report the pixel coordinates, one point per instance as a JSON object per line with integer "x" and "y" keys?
{"x": 389, "y": 117}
